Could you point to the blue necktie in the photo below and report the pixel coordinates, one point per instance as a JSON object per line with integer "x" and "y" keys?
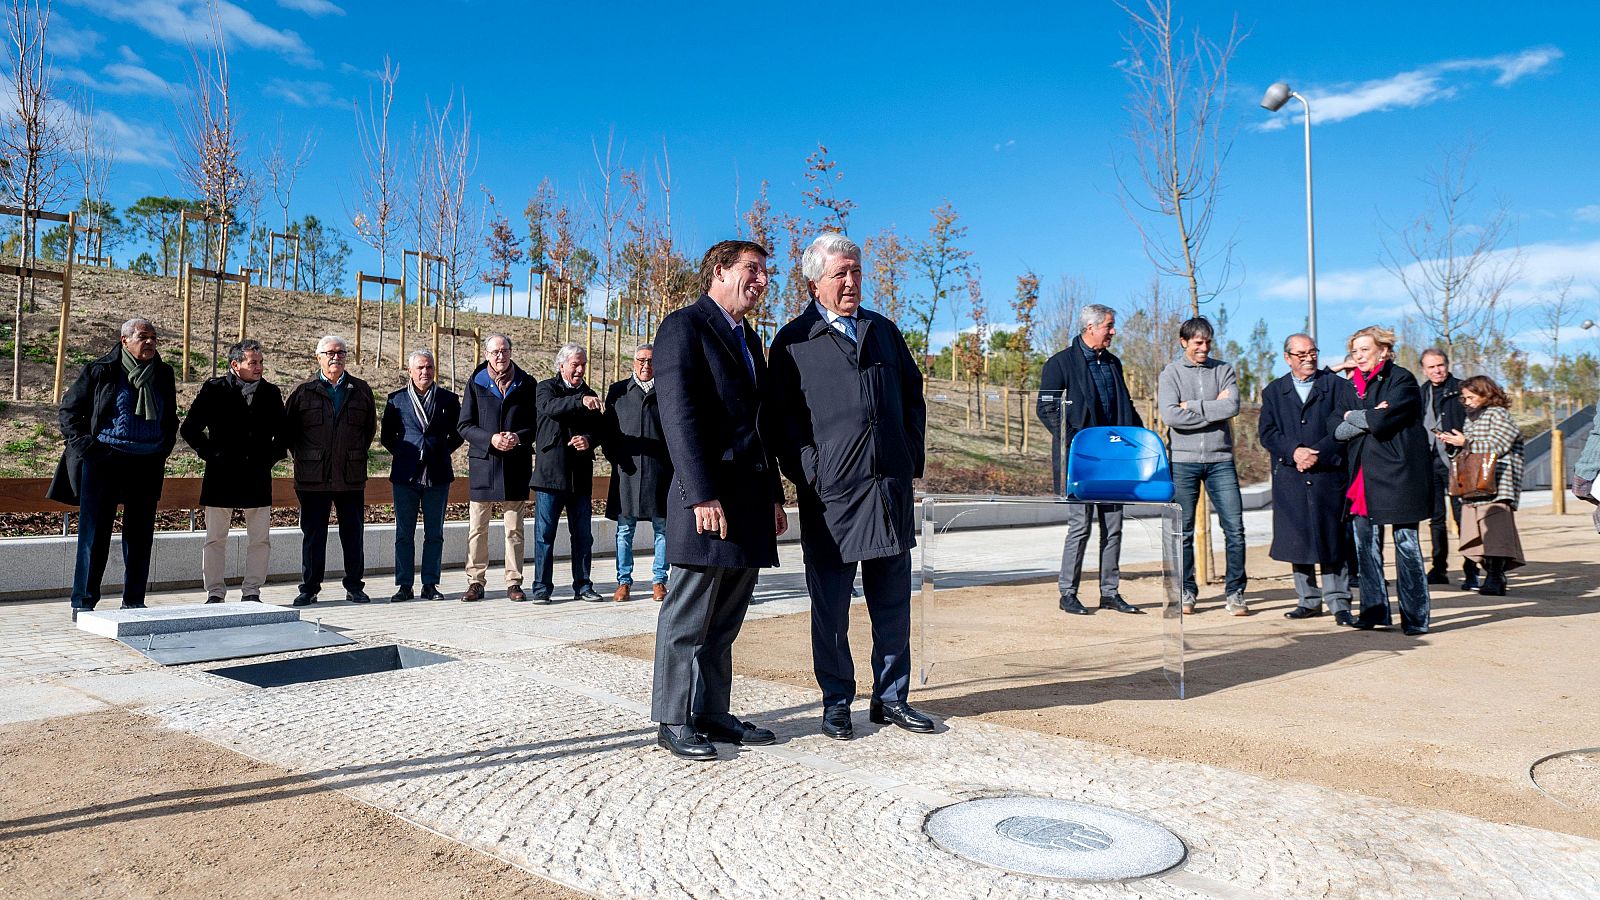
{"x": 744, "y": 348}
{"x": 847, "y": 324}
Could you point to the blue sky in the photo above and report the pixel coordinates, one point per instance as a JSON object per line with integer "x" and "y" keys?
{"x": 1013, "y": 112}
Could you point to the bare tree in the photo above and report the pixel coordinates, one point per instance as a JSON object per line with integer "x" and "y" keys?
{"x": 92, "y": 156}
{"x": 210, "y": 158}
{"x": 32, "y": 142}
{"x": 452, "y": 157}
{"x": 375, "y": 217}
{"x": 1022, "y": 309}
{"x": 822, "y": 191}
{"x": 974, "y": 345}
{"x": 1450, "y": 263}
{"x": 1178, "y": 97}
{"x": 941, "y": 260}
{"x": 611, "y": 209}
{"x": 283, "y": 169}
{"x": 1556, "y": 312}
{"x": 503, "y": 246}
{"x": 888, "y": 256}
{"x": 1147, "y": 340}
{"x": 1058, "y": 322}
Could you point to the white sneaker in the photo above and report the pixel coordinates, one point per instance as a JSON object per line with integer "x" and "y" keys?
{"x": 1237, "y": 605}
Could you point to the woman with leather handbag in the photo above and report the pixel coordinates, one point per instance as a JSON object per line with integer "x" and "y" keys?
{"x": 1486, "y": 473}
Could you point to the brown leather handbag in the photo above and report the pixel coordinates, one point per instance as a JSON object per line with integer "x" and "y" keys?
{"x": 1472, "y": 476}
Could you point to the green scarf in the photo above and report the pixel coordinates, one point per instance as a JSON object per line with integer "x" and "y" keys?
{"x": 143, "y": 378}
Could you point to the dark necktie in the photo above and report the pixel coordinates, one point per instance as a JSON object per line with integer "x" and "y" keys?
{"x": 744, "y": 348}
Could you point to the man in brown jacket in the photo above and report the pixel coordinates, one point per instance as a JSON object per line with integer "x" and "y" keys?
{"x": 329, "y": 422}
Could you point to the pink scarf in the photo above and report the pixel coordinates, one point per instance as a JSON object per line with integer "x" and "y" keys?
{"x": 1357, "y": 495}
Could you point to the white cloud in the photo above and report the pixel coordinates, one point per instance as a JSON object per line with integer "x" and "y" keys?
{"x": 1590, "y": 213}
{"x": 69, "y": 42}
{"x": 304, "y": 93}
{"x": 312, "y": 7}
{"x": 122, "y": 78}
{"x": 189, "y": 22}
{"x": 1418, "y": 87}
{"x": 128, "y": 56}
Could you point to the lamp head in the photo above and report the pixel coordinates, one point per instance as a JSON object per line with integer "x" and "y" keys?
{"x": 1588, "y": 324}
{"x": 1276, "y": 97}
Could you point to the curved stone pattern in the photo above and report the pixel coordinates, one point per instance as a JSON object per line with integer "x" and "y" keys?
{"x": 546, "y": 758}
{"x": 1055, "y": 838}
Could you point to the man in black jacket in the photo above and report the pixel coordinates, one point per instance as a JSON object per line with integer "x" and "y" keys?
{"x": 120, "y": 422}
{"x": 726, "y": 500}
{"x": 234, "y": 425}
{"x": 497, "y": 418}
{"x": 1082, "y": 387}
{"x": 419, "y": 431}
{"x": 640, "y": 470}
{"x": 563, "y": 472}
{"x": 1442, "y": 410}
{"x": 848, "y": 424}
{"x": 329, "y": 422}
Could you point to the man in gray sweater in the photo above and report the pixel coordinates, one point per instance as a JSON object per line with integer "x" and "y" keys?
{"x": 1198, "y": 397}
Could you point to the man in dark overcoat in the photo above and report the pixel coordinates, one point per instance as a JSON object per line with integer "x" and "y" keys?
{"x": 1308, "y": 480}
{"x": 329, "y": 422}
{"x": 849, "y": 423}
{"x": 1082, "y": 387}
{"x": 497, "y": 418}
{"x": 119, "y": 421}
{"x": 234, "y": 425}
{"x": 420, "y": 432}
{"x": 565, "y": 438}
{"x": 726, "y": 500}
{"x": 640, "y": 470}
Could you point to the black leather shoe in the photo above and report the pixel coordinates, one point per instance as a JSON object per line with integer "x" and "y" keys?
{"x": 357, "y": 597}
{"x": 1303, "y": 612}
{"x": 1413, "y": 631}
{"x": 1437, "y": 577}
{"x": 685, "y": 743}
{"x": 836, "y": 722}
{"x": 1344, "y": 619}
{"x": 214, "y": 598}
{"x": 541, "y": 596}
{"x": 402, "y": 595}
{"x": 132, "y": 606}
{"x": 1070, "y": 604}
{"x": 1363, "y": 626}
{"x": 734, "y": 731}
{"x": 431, "y": 592}
{"x": 1115, "y": 603}
{"x": 900, "y": 713}
{"x": 250, "y": 598}
{"x": 304, "y": 599}
{"x": 588, "y": 595}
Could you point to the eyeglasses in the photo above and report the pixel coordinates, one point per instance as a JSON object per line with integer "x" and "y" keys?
{"x": 1304, "y": 354}
{"x": 333, "y": 352}
{"x": 647, "y": 361}
{"x": 146, "y": 338}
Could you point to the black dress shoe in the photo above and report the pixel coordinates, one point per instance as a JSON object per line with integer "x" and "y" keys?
{"x": 1344, "y": 619}
{"x": 132, "y": 606}
{"x": 836, "y": 722}
{"x": 900, "y": 713}
{"x": 541, "y": 596}
{"x": 1363, "y": 626}
{"x": 304, "y": 599}
{"x": 1414, "y": 631}
{"x": 402, "y": 595}
{"x": 1437, "y": 577}
{"x": 1303, "y": 612}
{"x": 685, "y": 743}
{"x": 357, "y": 597}
{"x": 1115, "y": 603}
{"x": 1070, "y": 604}
{"x": 214, "y": 598}
{"x": 250, "y": 598}
{"x": 431, "y": 592}
{"x": 733, "y": 731}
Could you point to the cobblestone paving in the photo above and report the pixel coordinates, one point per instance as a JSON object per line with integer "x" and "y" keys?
{"x": 545, "y": 757}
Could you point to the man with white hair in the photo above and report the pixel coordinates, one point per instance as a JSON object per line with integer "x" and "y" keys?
{"x": 847, "y": 421}
{"x": 420, "y": 433}
{"x": 497, "y": 416}
{"x": 1082, "y": 387}
{"x": 329, "y": 423}
{"x": 565, "y": 438}
{"x": 120, "y": 421}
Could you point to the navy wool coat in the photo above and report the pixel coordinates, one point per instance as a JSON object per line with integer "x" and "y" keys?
{"x": 90, "y": 405}
{"x": 562, "y": 416}
{"x": 1307, "y": 507}
{"x": 239, "y": 442}
{"x": 493, "y": 474}
{"x": 849, "y": 425}
{"x": 1394, "y": 451}
{"x": 710, "y": 415}
{"x": 640, "y": 469}
{"x": 416, "y": 450}
{"x": 1068, "y": 401}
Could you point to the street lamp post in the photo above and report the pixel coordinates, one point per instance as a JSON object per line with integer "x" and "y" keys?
{"x": 1276, "y": 97}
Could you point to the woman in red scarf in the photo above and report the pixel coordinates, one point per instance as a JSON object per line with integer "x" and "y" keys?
{"x": 1389, "y": 478}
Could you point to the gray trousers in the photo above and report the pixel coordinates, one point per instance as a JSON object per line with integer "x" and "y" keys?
{"x": 1109, "y": 516}
{"x": 699, "y": 619}
{"x": 1335, "y": 586}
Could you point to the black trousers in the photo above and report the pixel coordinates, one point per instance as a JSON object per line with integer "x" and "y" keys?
{"x": 134, "y": 482}
{"x": 1438, "y": 528}
{"x": 314, "y": 508}
{"x": 699, "y": 620}
{"x": 887, "y": 584}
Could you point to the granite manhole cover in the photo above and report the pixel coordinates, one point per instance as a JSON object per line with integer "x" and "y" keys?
{"x": 1055, "y": 838}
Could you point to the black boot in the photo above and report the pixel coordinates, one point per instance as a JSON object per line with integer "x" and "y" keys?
{"x": 1469, "y": 576}
{"x": 1494, "y": 583}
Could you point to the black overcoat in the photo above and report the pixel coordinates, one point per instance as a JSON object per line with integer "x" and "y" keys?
{"x": 494, "y": 474}
{"x": 1067, "y": 401}
{"x": 557, "y": 466}
{"x": 1307, "y": 507}
{"x": 848, "y": 424}
{"x": 416, "y": 449}
{"x": 710, "y": 415}
{"x": 640, "y": 469}
{"x": 330, "y": 448}
{"x": 1393, "y": 452}
{"x": 89, "y": 406}
{"x": 239, "y": 441}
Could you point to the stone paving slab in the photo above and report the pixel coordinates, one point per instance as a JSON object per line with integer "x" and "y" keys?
{"x": 145, "y": 688}
{"x": 33, "y": 702}
{"x": 546, "y": 758}
{"x": 168, "y": 619}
